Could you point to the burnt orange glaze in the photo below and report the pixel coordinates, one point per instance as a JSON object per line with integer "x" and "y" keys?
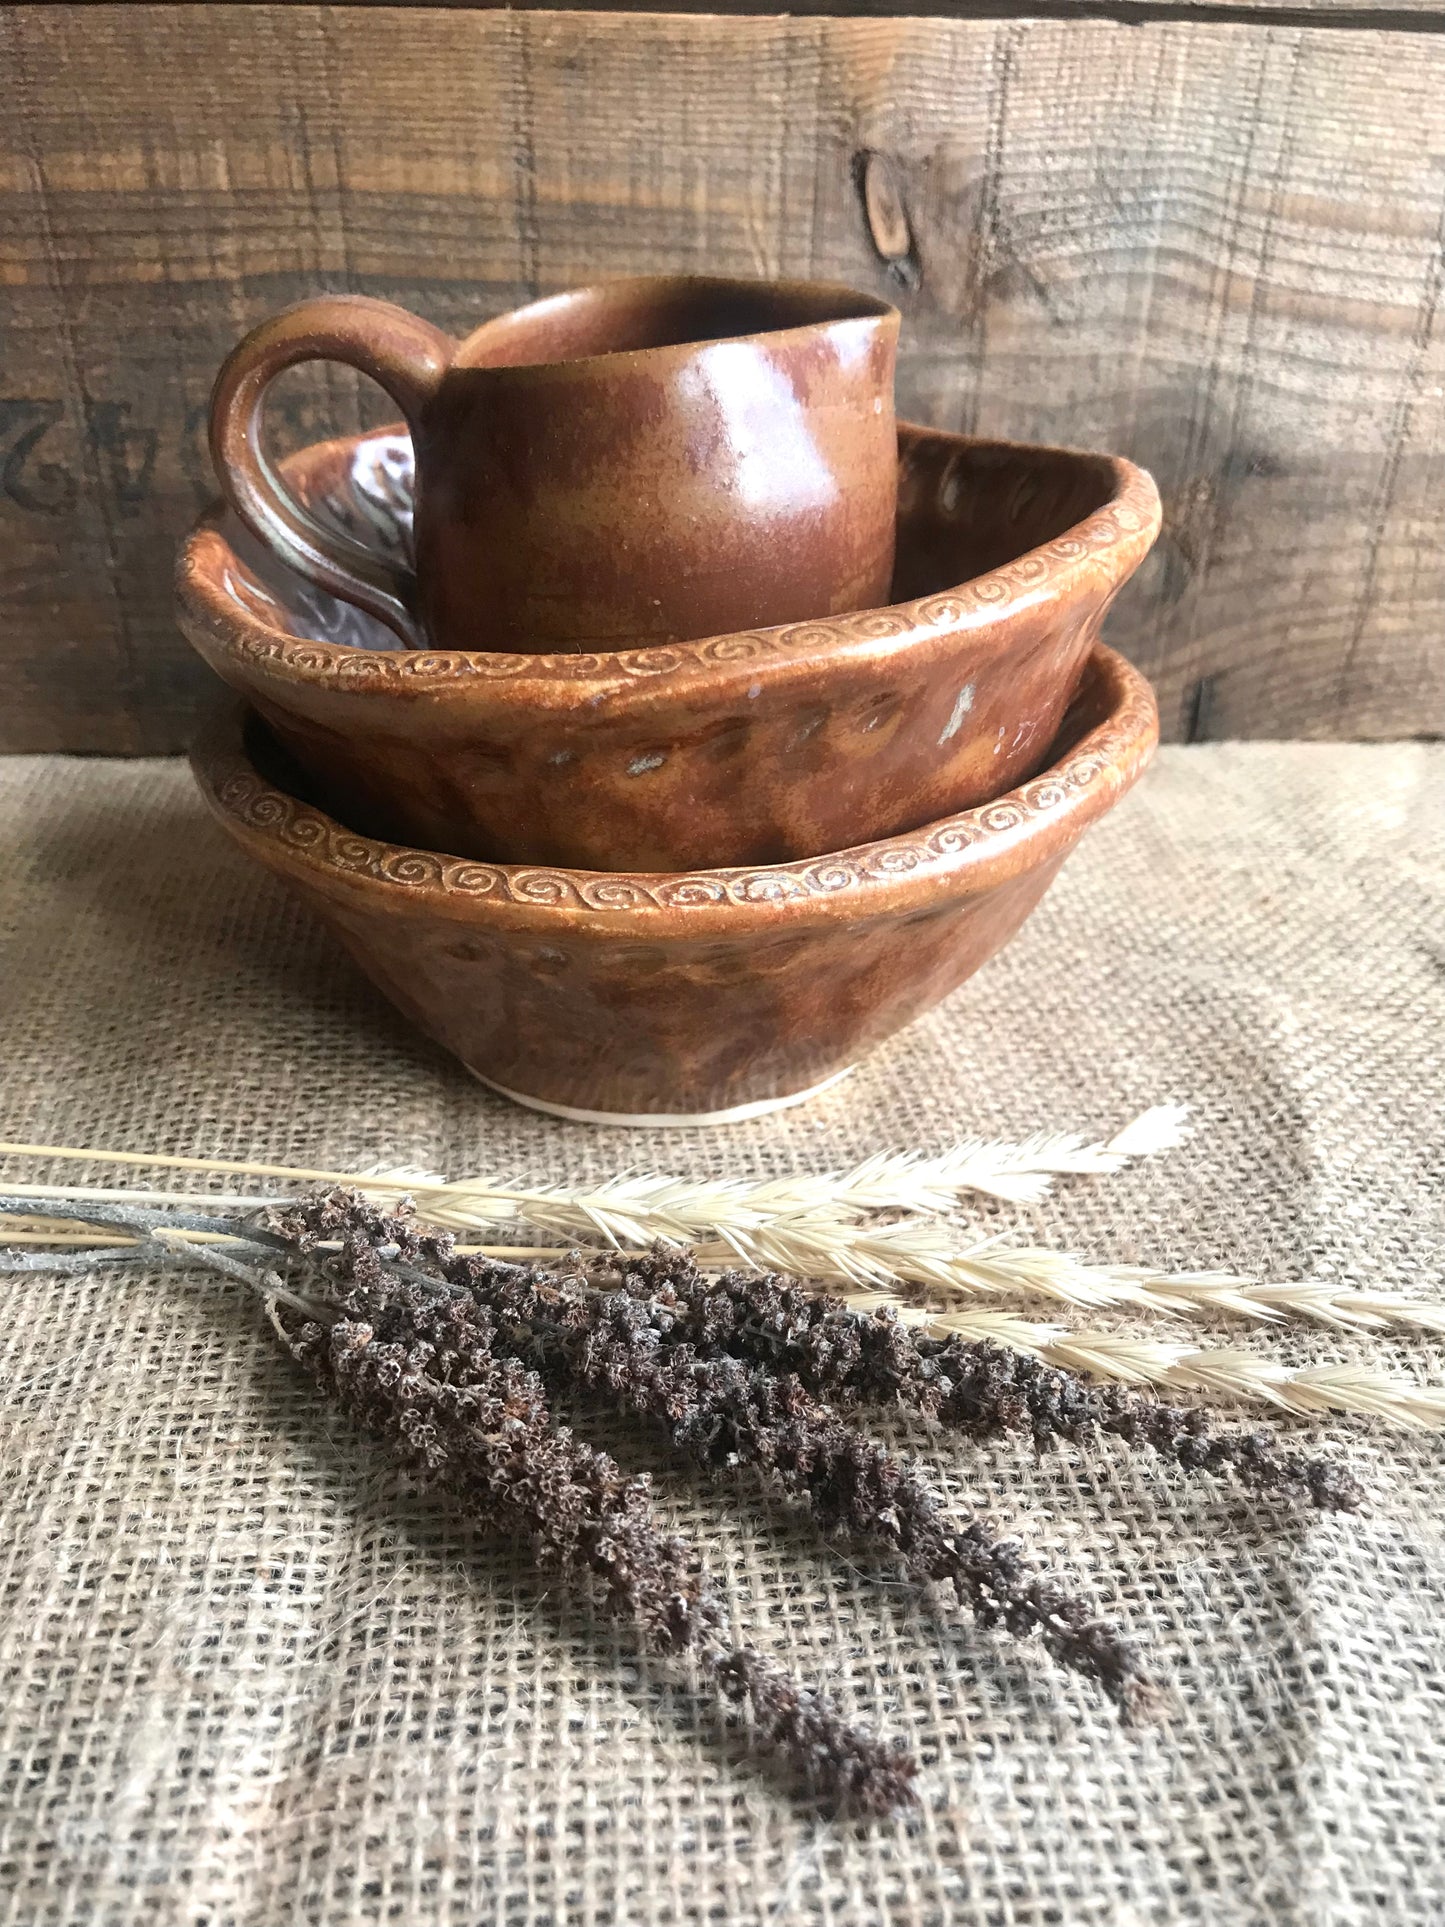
{"x": 648, "y": 460}
{"x": 645, "y": 993}
{"x": 658, "y": 460}
{"x": 752, "y": 747}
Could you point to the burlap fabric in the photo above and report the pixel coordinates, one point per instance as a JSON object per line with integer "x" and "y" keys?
{"x": 250, "y": 1677}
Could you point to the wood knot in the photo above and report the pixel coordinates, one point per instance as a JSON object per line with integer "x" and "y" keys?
{"x": 886, "y": 209}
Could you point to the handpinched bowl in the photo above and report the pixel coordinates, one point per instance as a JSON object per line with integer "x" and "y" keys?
{"x": 684, "y": 998}
{"x": 762, "y": 747}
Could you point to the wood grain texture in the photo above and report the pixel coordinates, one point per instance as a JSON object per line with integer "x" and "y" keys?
{"x": 1213, "y": 248}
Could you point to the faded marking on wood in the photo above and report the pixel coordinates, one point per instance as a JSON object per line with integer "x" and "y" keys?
{"x": 1214, "y": 248}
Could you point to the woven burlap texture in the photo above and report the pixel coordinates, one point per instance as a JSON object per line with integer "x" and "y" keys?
{"x": 251, "y": 1677}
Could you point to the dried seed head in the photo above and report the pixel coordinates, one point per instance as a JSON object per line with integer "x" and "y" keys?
{"x": 975, "y": 1387}
{"x": 424, "y": 1369}
{"x": 725, "y": 1410}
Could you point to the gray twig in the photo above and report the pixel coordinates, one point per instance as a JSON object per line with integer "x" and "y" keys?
{"x": 148, "y": 1253}
{"x": 268, "y": 1285}
{"x": 140, "y": 1218}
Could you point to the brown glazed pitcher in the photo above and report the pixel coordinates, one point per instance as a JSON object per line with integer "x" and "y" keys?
{"x": 640, "y": 462}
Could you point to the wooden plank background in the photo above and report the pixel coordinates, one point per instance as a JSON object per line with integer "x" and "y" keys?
{"x": 1213, "y": 246}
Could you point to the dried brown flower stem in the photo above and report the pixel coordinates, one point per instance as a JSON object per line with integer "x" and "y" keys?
{"x": 723, "y": 1411}
{"x": 431, "y": 1349}
{"x": 978, "y": 1388}
{"x": 1133, "y": 1360}
{"x": 421, "y": 1370}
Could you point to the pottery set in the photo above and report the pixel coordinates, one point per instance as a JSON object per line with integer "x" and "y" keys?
{"x": 658, "y": 723}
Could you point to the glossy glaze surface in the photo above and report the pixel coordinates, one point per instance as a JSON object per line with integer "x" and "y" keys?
{"x": 755, "y": 747}
{"x": 648, "y": 460}
{"x": 687, "y": 993}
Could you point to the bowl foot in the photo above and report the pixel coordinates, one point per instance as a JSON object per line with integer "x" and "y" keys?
{"x": 734, "y": 1114}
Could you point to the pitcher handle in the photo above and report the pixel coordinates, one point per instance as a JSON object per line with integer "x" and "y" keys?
{"x": 406, "y": 356}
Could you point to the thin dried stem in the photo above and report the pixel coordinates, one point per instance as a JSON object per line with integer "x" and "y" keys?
{"x": 98, "y": 1241}
{"x": 114, "y": 1194}
{"x": 136, "y": 1251}
{"x": 20, "y": 1228}
{"x": 167, "y": 1161}
{"x": 137, "y": 1217}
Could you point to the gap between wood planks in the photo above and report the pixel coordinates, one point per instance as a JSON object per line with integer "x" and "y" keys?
{"x": 1123, "y": 13}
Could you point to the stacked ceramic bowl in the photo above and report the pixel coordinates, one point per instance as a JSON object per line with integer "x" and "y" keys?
{"x": 657, "y": 722}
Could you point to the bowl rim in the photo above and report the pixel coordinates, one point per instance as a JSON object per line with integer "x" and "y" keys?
{"x": 1093, "y": 557}
{"x": 960, "y": 855}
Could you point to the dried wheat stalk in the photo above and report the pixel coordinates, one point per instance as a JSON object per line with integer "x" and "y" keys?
{"x": 923, "y": 1253}
{"x": 812, "y": 1224}
{"x": 815, "y": 1227}
{"x": 918, "y": 1252}
{"x": 639, "y": 1208}
{"x": 1223, "y": 1372}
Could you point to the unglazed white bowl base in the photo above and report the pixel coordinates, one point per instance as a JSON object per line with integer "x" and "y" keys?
{"x": 663, "y": 1120}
